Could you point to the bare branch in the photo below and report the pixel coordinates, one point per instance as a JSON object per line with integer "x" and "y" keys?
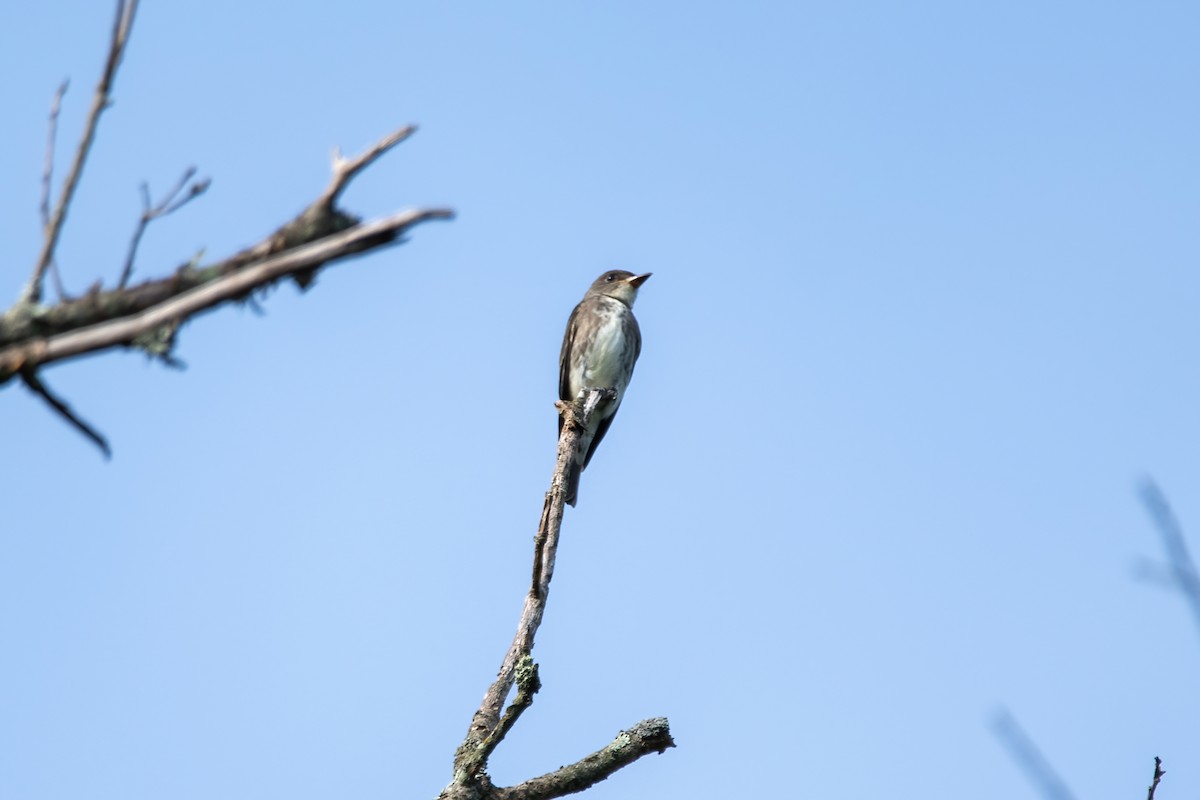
{"x": 123, "y": 21}
{"x": 1158, "y": 773}
{"x": 648, "y": 736}
{"x": 170, "y": 203}
{"x": 229, "y": 286}
{"x": 1179, "y": 560}
{"x": 31, "y": 379}
{"x": 1025, "y": 752}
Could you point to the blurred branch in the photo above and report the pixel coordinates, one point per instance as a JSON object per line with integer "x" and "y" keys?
{"x": 34, "y": 382}
{"x": 122, "y": 23}
{"x": 148, "y": 315}
{"x": 487, "y": 727}
{"x": 205, "y": 288}
{"x": 1179, "y": 561}
{"x": 1028, "y": 756}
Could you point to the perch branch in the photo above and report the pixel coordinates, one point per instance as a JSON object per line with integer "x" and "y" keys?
{"x": 471, "y": 757}
{"x": 122, "y": 23}
{"x": 170, "y": 203}
{"x": 648, "y": 736}
{"x": 488, "y": 728}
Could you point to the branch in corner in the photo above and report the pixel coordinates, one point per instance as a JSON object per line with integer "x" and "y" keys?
{"x": 148, "y": 316}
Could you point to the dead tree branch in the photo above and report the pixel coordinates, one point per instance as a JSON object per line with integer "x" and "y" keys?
{"x": 488, "y": 728}
{"x": 122, "y": 23}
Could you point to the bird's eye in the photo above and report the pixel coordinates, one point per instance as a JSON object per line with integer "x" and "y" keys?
{"x": 609, "y": 278}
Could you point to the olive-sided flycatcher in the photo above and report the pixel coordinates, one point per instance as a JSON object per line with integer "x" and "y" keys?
{"x": 599, "y": 350}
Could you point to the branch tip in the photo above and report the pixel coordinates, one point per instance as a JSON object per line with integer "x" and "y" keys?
{"x": 1158, "y": 774}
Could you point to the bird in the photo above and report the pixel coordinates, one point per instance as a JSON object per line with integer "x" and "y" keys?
{"x": 600, "y": 347}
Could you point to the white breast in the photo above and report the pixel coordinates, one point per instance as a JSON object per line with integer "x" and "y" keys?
{"x": 604, "y": 366}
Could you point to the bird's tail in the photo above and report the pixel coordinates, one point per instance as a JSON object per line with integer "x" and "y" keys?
{"x": 573, "y": 483}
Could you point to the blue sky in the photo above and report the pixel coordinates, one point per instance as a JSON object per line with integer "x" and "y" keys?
{"x": 923, "y": 312}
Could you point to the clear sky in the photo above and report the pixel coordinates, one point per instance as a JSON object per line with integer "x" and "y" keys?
{"x": 924, "y": 310}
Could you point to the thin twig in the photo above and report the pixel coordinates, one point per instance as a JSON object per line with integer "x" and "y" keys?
{"x": 170, "y": 203}
{"x": 1158, "y": 773}
{"x": 48, "y": 176}
{"x": 48, "y": 163}
{"x": 122, "y": 22}
{"x": 59, "y": 291}
{"x": 31, "y": 379}
{"x": 1179, "y": 560}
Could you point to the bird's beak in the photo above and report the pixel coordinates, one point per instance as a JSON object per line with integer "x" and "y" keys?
{"x": 638, "y": 280}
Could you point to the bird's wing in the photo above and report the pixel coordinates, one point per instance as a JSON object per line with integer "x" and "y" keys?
{"x": 601, "y": 429}
{"x": 564, "y": 363}
{"x": 634, "y": 332}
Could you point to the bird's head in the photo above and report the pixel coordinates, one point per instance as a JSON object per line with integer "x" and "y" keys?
{"x": 619, "y": 285}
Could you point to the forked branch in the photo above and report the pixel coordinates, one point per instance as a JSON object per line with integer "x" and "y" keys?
{"x": 171, "y": 202}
